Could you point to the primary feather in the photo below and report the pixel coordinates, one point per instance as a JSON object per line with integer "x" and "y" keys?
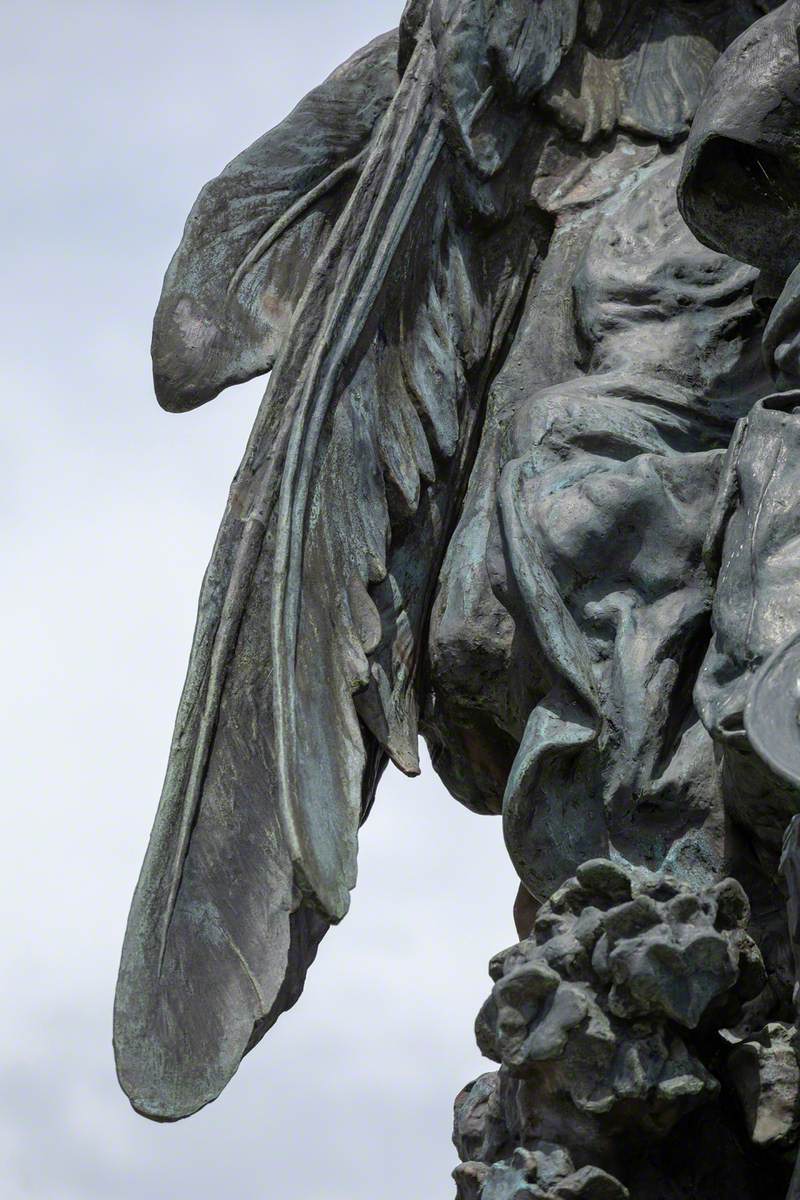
{"x": 313, "y": 614}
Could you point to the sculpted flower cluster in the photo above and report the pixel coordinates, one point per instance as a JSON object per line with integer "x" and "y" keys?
{"x": 596, "y": 1019}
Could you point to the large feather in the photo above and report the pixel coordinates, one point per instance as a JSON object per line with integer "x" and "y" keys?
{"x": 313, "y": 612}
{"x": 255, "y": 232}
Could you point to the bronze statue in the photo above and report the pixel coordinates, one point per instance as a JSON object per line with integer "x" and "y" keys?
{"x": 520, "y": 482}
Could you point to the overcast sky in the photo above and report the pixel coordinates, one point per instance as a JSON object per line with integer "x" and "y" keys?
{"x": 115, "y": 114}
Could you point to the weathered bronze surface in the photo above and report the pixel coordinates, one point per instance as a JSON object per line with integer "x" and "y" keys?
{"x": 525, "y": 480}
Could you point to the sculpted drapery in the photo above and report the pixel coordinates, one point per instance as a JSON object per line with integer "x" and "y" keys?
{"x": 514, "y": 485}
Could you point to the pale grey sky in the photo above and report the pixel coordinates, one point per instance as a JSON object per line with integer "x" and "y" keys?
{"x": 115, "y": 114}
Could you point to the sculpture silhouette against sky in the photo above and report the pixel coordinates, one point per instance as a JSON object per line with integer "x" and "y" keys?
{"x": 521, "y": 482}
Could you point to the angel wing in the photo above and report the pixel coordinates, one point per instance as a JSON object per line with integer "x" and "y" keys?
{"x": 312, "y": 620}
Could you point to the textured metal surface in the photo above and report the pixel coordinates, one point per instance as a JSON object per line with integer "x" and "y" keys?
{"x": 772, "y": 716}
{"x": 521, "y": 482}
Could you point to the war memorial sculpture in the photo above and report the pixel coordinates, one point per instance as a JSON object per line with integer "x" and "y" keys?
{"x": 525, "y": 480}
